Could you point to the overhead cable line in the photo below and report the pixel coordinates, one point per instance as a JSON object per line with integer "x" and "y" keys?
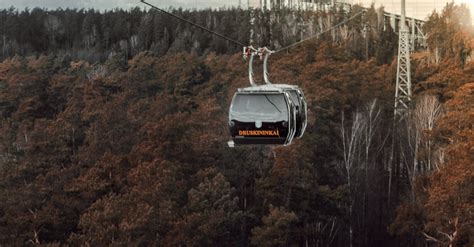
{"x": 194, "y": 24}
{"x": 249, "y": 49}
{"x": 319, "y": 34}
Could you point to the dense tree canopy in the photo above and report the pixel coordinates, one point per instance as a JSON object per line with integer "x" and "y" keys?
{"x": 96, "y": 36}
{"x": 132, "y": 150}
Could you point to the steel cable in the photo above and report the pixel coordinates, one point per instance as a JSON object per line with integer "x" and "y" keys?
{"x": 194, "y": 24}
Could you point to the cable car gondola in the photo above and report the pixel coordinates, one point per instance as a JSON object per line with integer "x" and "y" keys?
{"x": 262, "y": 115}
{"x": 266, "y": 114}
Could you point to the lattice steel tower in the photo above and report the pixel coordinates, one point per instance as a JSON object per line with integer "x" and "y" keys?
{"x": 403, "y": 90}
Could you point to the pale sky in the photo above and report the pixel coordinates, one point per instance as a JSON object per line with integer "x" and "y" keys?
{"x": 417, "y": 8}
{"x": 110, "y": 4}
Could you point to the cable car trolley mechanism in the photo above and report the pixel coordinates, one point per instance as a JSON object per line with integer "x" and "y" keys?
{"x": 270, "y": 114}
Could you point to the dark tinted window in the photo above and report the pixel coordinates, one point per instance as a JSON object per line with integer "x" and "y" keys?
{"x": 294, "y": 97}
{"x": 259, "y": 107}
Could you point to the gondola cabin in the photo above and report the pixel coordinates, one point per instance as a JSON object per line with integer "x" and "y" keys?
{"x": 262, "y": 115}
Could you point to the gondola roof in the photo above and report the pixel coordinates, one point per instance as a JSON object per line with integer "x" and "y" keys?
{"x": 268, "y": 88}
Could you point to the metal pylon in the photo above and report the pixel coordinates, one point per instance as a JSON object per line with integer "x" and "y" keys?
{"x": 403, "y": 90}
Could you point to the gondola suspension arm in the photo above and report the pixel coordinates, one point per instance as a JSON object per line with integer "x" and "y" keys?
{"x": 265, "y": 53}
{"x": 250, "y": 52}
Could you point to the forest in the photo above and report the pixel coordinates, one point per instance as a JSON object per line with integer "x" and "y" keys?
{"x": 114, "y": 127}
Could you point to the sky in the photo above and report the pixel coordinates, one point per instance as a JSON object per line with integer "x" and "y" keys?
{"x": 110, "y": 4}
{"x": 417, "y": 8}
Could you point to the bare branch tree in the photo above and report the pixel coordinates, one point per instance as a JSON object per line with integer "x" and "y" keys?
{"x": 350, "y": 140}
{"x": 427, "y": 112}
{"x": 351, "y": 143}
{"x": 371, "y": 121}
{"x": 52, "y": 25}
{"x": 449, "y": 238}
{"x": 420, "y": 124}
